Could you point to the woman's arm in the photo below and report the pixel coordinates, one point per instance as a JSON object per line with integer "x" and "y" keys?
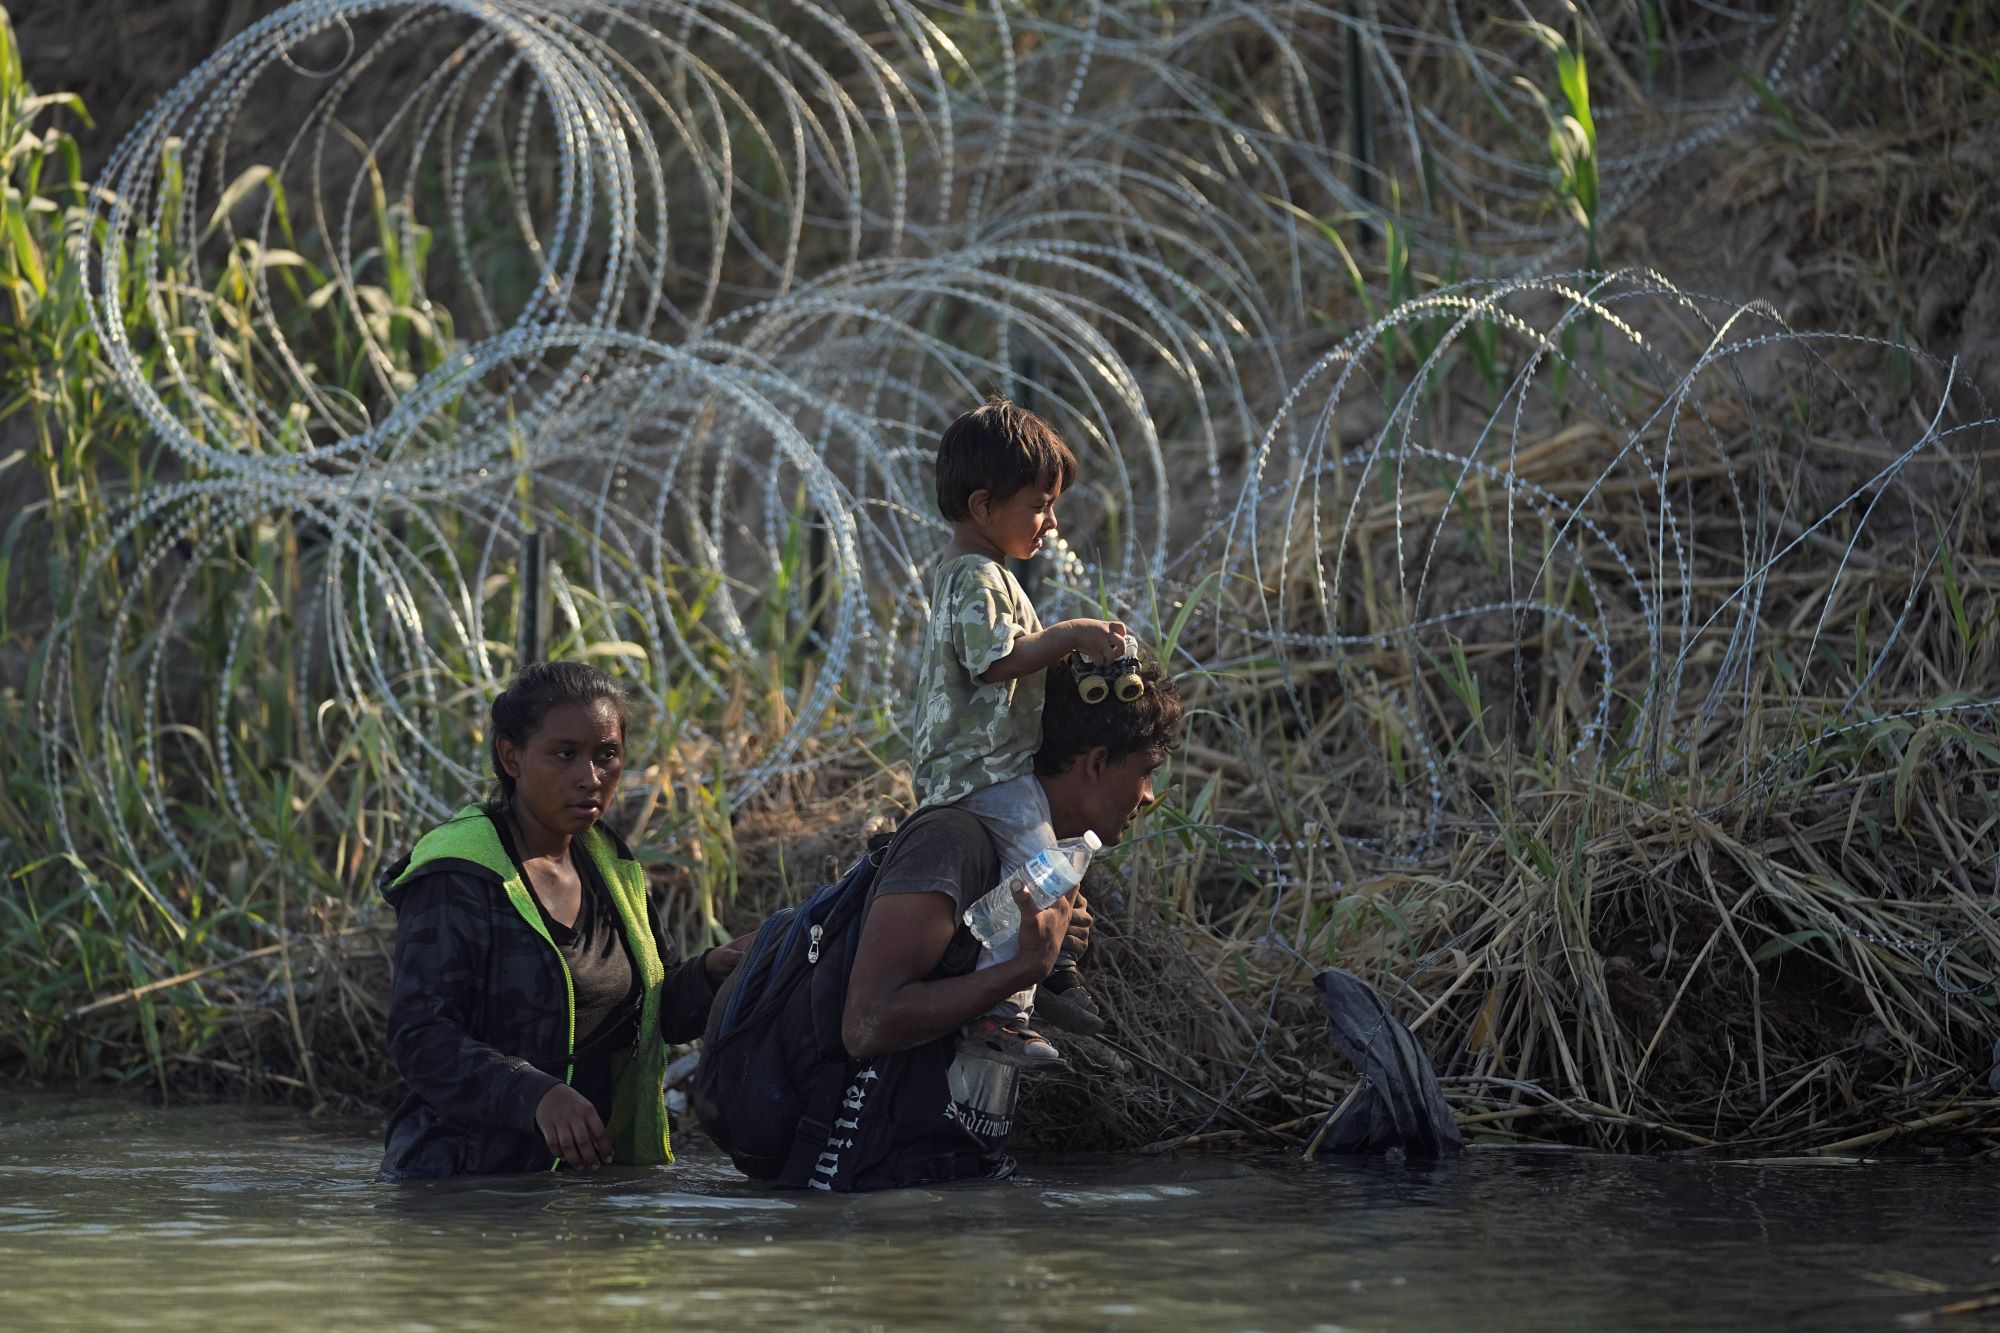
{"x": 441, "y": 937}
{"x": 891, "y": 1006}
{"x": 690, "y": 986}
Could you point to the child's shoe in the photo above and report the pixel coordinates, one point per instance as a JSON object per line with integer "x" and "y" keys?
{"x": 1012, "y": 1043}
{"x": 1066, "y": 1002}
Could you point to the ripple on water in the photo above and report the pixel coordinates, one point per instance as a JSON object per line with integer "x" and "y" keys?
{"x": 1131, "y": 1194}
{"x": 237, "y": 1288}
{"x": 257, "y": 1222}
{"x": 257, "y": 1183}
{"x": 696, "y": 1203}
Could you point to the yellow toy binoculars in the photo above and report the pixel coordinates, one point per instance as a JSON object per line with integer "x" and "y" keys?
{"x": 1096, "y": 682}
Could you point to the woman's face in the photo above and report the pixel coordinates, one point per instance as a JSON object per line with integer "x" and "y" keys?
{"x": 568, "y": 770}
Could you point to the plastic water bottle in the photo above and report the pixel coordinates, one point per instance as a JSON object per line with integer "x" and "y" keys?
{"x": 1050, "y": 873}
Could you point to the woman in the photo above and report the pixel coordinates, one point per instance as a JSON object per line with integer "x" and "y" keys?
{"x": 534, "y": 992}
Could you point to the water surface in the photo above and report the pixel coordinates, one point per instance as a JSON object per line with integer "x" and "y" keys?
{"x": 120, "y": 1215}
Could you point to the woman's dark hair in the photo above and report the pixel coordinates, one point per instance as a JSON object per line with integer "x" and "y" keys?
{"x": 1151, "y": 723}
{"x": 521, "y": 708}
{"x": 998, "y": 448}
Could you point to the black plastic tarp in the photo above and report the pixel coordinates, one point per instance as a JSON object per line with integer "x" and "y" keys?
{"x": 1399, "y": 1106}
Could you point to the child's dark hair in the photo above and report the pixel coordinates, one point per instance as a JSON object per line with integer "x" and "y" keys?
{"x": 998, "y": 448}
{"x": 521, "y": 708}
{"x": 1150, "y": 724}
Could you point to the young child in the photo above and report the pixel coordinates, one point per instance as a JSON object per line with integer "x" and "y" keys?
{"x": 1000, "y": 470}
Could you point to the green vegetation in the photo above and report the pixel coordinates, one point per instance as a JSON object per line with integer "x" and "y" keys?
{"x": 1624, "y": 715}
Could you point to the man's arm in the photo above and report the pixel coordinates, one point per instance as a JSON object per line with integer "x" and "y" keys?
{"x": 890, "y": 1004}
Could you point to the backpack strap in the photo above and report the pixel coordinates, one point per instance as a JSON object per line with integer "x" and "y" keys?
{"x": 815, "y": 1158}
{"x": 830, "y": 1132}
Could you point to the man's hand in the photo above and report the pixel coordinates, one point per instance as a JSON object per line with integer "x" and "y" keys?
{"x": 1101, "y": 641}
{"x": 572, "y": 1129}
{"x": 1042, "y": 931}
{"x": 720, "y": 961}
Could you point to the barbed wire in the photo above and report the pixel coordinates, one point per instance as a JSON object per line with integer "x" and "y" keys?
{"x": 694, "y": 286}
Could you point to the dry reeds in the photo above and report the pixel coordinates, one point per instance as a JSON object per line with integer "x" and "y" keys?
{"x": 1603, "y": 669}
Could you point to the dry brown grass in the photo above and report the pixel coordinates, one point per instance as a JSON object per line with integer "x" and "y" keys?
{"x": 1781, "y": 936}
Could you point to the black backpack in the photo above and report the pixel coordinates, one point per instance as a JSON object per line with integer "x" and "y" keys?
{"x": 773, "y": 1064}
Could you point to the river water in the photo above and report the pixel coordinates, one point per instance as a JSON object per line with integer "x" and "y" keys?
{"x": 119, "y": 1215}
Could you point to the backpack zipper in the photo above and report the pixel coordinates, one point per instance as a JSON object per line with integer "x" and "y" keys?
{"x": 812, "y": 950}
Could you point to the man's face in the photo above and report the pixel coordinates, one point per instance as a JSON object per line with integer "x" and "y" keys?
{"x": 1119, "y": 790}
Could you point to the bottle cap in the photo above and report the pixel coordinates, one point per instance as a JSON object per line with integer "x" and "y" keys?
{"x": 1092, "y": 841}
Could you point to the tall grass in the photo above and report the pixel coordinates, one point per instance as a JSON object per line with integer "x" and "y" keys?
{"x": 1624, "y": 716}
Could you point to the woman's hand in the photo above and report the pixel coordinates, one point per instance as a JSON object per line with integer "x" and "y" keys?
{"x": 720, "y": 961}
{"x": 1042, "y": 931}
{"x": 571, "y": 1127}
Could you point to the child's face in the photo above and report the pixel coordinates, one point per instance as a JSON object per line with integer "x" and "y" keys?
{"x": 1019, "y": 524}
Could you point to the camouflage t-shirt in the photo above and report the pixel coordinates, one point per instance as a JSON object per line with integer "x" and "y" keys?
{"x": 971, "y": 735}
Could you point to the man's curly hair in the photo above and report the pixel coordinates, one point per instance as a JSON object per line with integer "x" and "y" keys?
{"x": 1149, "y": 724}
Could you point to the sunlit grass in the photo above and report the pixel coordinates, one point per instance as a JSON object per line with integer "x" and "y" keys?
{"x": 1492, "y": 700}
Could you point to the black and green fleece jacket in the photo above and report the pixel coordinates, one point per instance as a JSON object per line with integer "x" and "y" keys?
{"x": 481, "y": 1015}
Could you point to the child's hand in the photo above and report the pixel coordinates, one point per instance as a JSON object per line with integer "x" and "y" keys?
{"x": 1099, "y": 640}
{"x": 1077, "y": 939}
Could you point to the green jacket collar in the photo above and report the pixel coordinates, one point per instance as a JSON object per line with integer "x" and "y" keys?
{"x": 471, "y": 838}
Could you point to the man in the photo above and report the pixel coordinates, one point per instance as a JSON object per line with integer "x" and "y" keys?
{"x": 918, "y": 1109}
